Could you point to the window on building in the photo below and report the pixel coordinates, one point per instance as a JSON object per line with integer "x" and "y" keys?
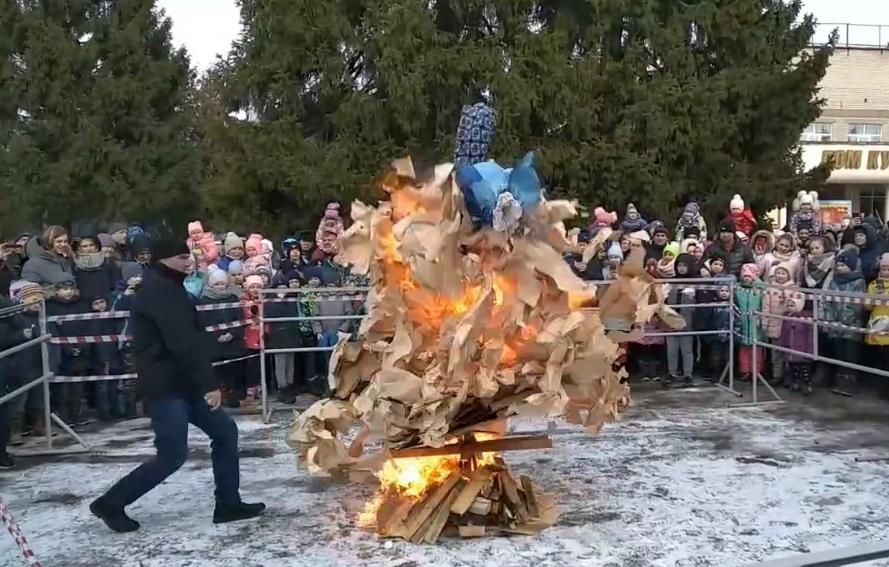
{"x": 817, "y": 132}
{"x": 872, "y": 201}
{"x": 865, "y": 132}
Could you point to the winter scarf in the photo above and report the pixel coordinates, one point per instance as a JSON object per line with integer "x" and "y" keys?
{"x": 818, "y": 269}
{"x": 666, "y": 270}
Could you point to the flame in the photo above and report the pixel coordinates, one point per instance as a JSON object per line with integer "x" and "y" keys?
{"x": 414, "y": 478}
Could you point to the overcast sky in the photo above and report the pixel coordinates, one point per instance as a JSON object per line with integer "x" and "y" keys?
{"x": 207, "y": 27}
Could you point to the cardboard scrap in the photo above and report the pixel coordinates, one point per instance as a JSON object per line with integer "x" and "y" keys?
{"x": 469, "y": 325}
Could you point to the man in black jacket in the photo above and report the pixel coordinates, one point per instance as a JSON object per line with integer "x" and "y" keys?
{"x": 736, "y": 252}
{"x": 175, "y": 377}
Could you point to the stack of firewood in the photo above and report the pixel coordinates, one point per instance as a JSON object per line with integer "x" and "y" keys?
{"x": 470, "y": 503}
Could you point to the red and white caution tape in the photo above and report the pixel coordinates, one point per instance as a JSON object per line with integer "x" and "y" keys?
{"x": 88, "y": 316}
{"x": 95, "y": 378}
{"x": 89, "y": 340}
{"x": 231, "y": 325}
{"x": 16, "y": 532}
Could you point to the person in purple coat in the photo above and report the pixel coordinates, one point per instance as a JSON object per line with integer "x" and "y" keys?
{"x": 796, "y": 335}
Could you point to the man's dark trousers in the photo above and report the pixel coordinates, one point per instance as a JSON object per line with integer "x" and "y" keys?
{"x": 169, "y": 419}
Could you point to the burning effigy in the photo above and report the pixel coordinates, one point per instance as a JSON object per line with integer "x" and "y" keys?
{"x": 473, "y": 317}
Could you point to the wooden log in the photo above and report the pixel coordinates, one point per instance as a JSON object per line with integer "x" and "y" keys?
{"x": 423, "y": 510}
{"x": 530, "y": 496}
{"x": 476, "y": 482}
{"x": 440, "y": 518}
{"x": 466, "y": 449}
{"x": 471, "y": 531}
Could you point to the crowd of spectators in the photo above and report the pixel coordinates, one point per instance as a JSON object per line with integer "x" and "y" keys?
{"x": 92, "y": 273}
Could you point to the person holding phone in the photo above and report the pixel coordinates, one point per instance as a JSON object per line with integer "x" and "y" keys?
{"x": 172, "y": 355}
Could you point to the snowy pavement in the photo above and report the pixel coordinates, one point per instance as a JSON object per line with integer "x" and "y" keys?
{"x": 680, "y": 481}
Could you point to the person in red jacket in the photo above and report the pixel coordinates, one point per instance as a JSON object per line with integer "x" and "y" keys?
{"x": 741, "y": 216}
{"x": 253, "y": 333}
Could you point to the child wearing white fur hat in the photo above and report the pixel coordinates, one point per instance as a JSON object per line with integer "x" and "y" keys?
{"x": 806, "y": 215}
{"x": 742, "y": 216}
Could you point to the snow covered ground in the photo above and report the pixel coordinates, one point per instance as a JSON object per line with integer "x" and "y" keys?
{"x": 680, "y": 481}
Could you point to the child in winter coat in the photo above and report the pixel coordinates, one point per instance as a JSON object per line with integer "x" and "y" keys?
{"x": 25, "y": 366}
{"x": 775, "y": 301}
{"x": 879, "y": 321}
{"x": 806, "y": 215}
{"x": 633, "y": 221}
{"x": 202, "y": 246}
{"x": 228, "y": 344}
{"x": 742, "y": 216}
{"x": 106, "y": 362}
{"x": 666, "y": 266}
{"x": 819, "y": 265}
{"x": 285, "y": 334}
{"x": 330, "y": 229}
{"x": 602, "y": 219}
{"x": 748, "y": 301}
{"x": 685, "y": 267}
{"x": 690, "y": 220}
{"x": 311, "y": 332}
{"x": 258, "y": 254}
{"x": 715, "y": 348}
{"x": 762, "y": 243}
{"x": 613, "y": 260}
{"x": 845, "y": 345}
{"x": 69, "y": 360}
{"x": 254, "y": 333}
{"x": 797, "y": 335}
{"x": 232, "y": 249}
{"x": 236, "y": 275}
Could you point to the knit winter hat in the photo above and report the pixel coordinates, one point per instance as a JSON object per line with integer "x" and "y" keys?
{"x": 672, "y": 248}
{"x": 195, "y": 226}
{"x": 660, "y": 229}
{"x": 130, "y": 270}
{"x": 632, "y": 213}
{"x": 232, "y": 240}
{"x": 141, "y": 243}
{"x": 23, "y": 291}
{"x": 236, "y": 267}
{"x": 116, "y": 227}
{"x": 105, "y": 240}
{"x": 167, "y": 248}
{"x": 727, "y": 225}
{"x": 262, "y": 270}
{"x": 63, "y": 279}
{"x": 253, "y": 280}
{"x": 604, "y": 217}
{"x": 736, "y": 205}
{"x": 849, "y": 257}
{"x": 789, "y": 267}
{"x": 751, "y": 270}
{"x": 332, "y": 211}
{"x": 254, "y": 242}
{"x": 884, "y": 260}
{"x": 614, "y": 251}
{"x": 692, "y": 209}
{"x": 640, "y": 235}
{"x": 217, "y": 276}
{"x": 692, "y": 232}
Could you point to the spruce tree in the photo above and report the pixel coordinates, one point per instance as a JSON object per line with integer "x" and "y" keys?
{"x": 656, "y": 102}
{"x": 95, "y": 113}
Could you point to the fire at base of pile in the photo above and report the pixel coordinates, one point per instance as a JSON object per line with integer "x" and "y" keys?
{"x": 424, "y": 498}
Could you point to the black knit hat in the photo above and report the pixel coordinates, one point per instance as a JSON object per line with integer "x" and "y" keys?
{"x": 163, "y": 248}
{"x": 727, "y": 225}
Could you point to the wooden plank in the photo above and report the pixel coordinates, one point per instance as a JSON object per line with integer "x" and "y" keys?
{"x": 443, "y": 513}
{"x": 530, "y": 496}
{"x": 423, "y": 510}
{"x": 524, "y": 443}
{"x": 510, "y": 491}
{"x": 464, "y": 500}
{"x": 394, "y": 522}
{"x": 471, "y": 531}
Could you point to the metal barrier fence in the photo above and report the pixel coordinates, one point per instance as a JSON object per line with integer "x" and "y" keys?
{"x": 726, "y": 379}
{"x": 46, "y": 376}
{"x": 818, "y": 298}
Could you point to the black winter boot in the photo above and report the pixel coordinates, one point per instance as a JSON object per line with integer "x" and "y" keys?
{"x": 115, "y": 518}
{"x": 6, "y": 461}
{"x": 225, "y": 513}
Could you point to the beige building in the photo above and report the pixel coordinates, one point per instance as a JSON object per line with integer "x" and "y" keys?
{"x": 853, "y": 131}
